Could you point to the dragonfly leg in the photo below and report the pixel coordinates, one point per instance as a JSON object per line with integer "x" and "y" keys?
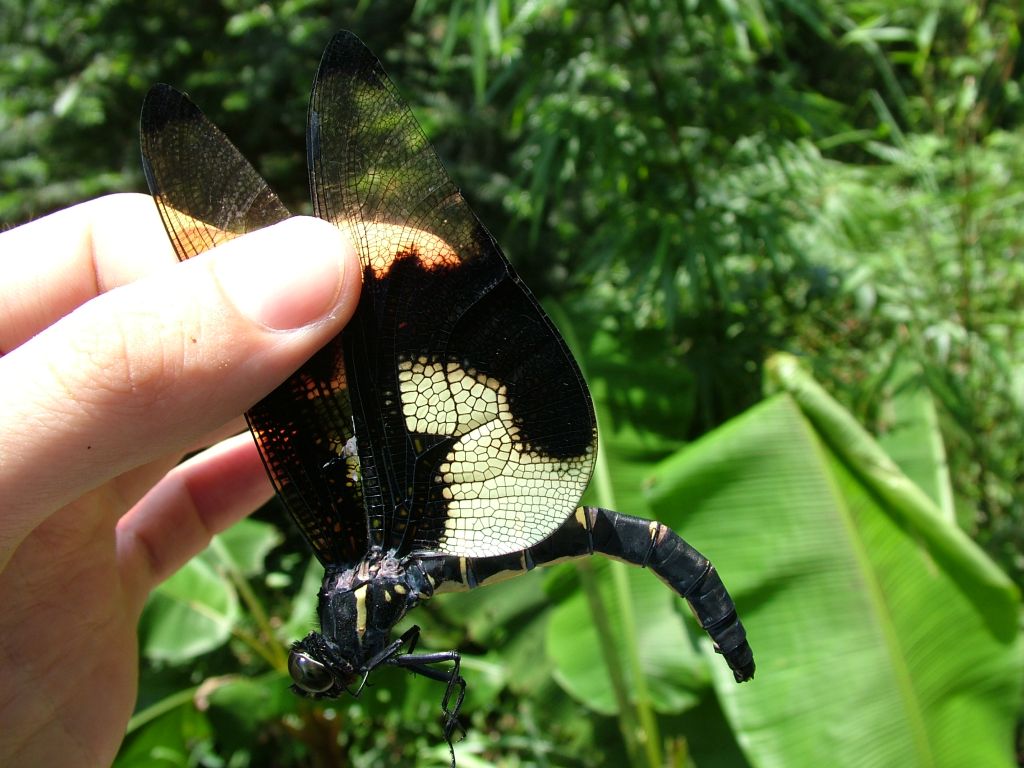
{"x": 456, "y": 686}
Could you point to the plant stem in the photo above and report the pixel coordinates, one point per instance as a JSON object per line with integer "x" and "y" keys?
{"x": 637, "y": 721}
{"x": 266, "y": 644}
{"x": 642, "y": 718}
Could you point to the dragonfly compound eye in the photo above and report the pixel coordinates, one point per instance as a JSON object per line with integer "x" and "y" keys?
{"x": 309, "y": 674}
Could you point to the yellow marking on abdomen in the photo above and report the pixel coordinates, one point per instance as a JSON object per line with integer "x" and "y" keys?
{"x": 581, "y": 518}
{"x": 494, "y": 578}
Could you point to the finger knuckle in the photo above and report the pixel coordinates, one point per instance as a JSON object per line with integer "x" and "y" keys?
{"x": 134, "y": 363}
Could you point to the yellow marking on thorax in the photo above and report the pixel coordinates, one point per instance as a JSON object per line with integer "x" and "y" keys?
{"x": 360, "y": 594}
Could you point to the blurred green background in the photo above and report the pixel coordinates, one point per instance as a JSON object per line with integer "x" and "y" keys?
{"x": 785, "y": 240}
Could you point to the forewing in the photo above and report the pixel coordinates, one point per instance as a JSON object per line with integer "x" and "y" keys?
{"x": 208, "y": 193}
{"x": 476, "y": 433}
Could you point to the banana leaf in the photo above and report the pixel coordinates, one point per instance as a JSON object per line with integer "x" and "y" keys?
{"x": 913, "y": 438}
{"x": 883, "y": 635}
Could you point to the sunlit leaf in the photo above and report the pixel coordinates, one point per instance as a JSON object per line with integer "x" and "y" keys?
{"x": 245, "y": 545}
{"x": 302, "y": 618}
{"x": 914, "y": 440}
{"x": 672, "y": 670}
{"x": 191, "y": 613}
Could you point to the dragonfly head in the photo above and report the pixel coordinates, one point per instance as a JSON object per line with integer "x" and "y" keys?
{"x": 318, "y": 669}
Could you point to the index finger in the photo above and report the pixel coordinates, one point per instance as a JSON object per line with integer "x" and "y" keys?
{"x": 54, "y": 264}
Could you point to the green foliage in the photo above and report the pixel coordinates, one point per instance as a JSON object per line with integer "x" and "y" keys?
{"x": 700, "y": 183}
{"x": 843, "y": 181}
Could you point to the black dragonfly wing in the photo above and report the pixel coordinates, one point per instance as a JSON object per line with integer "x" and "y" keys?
{"x": 208, "y": 193}
{"x": 476, "y": 433}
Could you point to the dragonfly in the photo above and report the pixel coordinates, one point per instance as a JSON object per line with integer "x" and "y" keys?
{"x": 444, "y": 439}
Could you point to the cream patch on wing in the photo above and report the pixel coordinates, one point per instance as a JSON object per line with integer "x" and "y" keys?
{"x": 502, "y": 495}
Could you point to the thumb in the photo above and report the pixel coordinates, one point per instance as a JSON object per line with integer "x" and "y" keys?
{"x": 149, "y": 367}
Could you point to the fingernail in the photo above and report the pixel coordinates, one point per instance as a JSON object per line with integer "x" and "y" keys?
{"x": 286, "y": 276}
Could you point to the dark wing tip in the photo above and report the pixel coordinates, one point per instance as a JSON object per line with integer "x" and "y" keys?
{"x": 345, "y": 37}
{"x": 165, "y": 104}
{"x": 347, "y": 54}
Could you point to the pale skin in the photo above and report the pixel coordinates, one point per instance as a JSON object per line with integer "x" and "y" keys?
{"x": 116, "y": 361}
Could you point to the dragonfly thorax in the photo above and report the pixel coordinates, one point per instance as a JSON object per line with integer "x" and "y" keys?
{"x": 358, "y": 607}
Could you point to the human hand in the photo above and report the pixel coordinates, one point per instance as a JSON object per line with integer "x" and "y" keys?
{"x": 115, "y": 361}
